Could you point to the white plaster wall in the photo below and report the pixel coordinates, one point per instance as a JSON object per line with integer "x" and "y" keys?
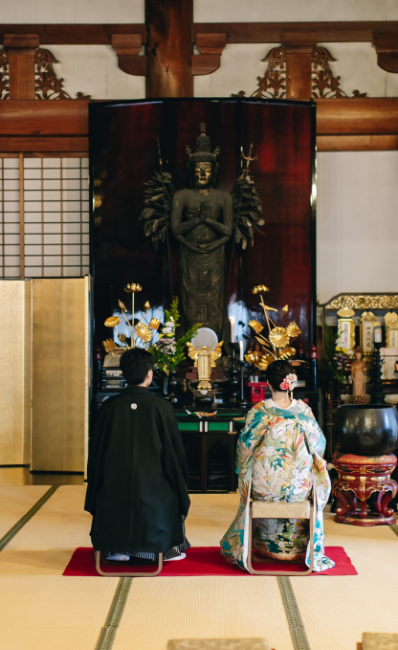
{"x": 72, "y": 11}
{"x": 357, "y": 224}
{"x": 93, "y": 70}
{"x": 207, "y": 11}
{"x": 241, "y": 64}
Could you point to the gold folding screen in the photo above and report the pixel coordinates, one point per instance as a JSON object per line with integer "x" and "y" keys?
{"x": 44, "y": 383}
{"x": 15, "y": 372}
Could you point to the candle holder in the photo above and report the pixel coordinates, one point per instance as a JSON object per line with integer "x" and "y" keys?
{"x": 377, "y": 393}
{"x": 172, "y": 386}
{"x": 242, "y": 401}
{"x": 314, "y": 374}
{"x": 233, "y": 373}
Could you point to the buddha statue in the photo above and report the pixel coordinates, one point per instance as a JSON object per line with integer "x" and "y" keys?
{"x": 202, "y": 221}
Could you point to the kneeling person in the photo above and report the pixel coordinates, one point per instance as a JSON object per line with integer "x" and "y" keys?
{"x": 137, "y": 471}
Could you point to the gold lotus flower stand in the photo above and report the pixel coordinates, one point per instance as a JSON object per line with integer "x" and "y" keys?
{"x": 277, "y": 345}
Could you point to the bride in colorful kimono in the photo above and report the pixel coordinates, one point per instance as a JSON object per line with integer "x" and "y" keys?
{"x": 279, "y": 454}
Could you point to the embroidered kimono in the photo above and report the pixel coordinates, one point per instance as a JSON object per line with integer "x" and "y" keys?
{"x": 278, "y": 455}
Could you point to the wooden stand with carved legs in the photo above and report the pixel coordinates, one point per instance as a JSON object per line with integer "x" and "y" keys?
{"x": 359, "y": 478}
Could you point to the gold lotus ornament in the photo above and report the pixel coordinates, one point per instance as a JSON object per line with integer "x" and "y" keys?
{"x": 154, "y": 324}
{"x": 133, "y": 288}
{"x": 143, "y": 332}
{"x": 256, "y": 326}
{"x": 112, "y": 321}
{"x": 253, "y": 357}
{"x": 122, "y": 337}
{"x": 122, "y": 305}
{"x": 276, "y": 345}
{"x": 293, "y": 330}
{"x": 286, "y": 353}
{"x": 147, "y": 305}
{"x": 109, "y": 345}
{"x": 265, "y": 361}
{"x": 260, "y": 288}
{"x": 279, "y": 337}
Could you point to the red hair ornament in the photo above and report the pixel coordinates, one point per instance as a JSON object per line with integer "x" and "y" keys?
{"x": 289, "y": 383}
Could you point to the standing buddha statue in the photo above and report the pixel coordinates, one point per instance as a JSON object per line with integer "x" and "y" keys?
{"x": 202, "y": 221}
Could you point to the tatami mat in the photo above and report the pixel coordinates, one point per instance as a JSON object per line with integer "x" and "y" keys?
{"x": 49, "y": 638}
{"x": 336, "y": 610}
{"x": 210, "y": 516}
{"x": 15, "y": 501}
{"x": 40, "y": 609}
{"x": 159, "y": 609}
{"x": 46, "y": 543}
{"x": 37, "y": 611}
{"x": 203, "y": 606}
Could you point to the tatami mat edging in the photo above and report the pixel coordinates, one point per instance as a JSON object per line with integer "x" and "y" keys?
{"x": 109, "y": 630}
{"x": 6, "y": 539}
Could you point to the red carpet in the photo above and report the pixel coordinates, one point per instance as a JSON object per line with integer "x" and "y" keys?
{"x": 203, "y": 561}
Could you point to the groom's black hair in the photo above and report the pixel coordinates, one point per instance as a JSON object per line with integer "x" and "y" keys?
{"x": 135, "y": 365}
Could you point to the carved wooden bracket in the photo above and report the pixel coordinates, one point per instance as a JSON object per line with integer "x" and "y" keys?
{"x": 209, "y": 59}
{"x": 298, "y": 46}
{"x": 386, "y": 44}
{"x": 21, "y": 43}
{"x": 21, "y": 55}
{"x": 127, "y": 47}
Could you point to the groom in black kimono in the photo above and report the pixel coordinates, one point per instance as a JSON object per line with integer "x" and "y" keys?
{"x": 137, "y": 471}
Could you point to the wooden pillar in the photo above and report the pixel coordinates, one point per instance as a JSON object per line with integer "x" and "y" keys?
{"x": 21, "y": 55}
{"x": 169, "y": 48}
{"x": 299, "y": 48}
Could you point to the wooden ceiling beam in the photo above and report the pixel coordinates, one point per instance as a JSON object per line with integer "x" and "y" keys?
{"x": 44, "y": 144}
{"x": 40, "y": 118}
{"x": 357, "y": 142}
{"x": 358, "y": 116}
{"x": 327, "y": 32}
{"x": 75, "y": 34}
{"x": 101, "y": 34}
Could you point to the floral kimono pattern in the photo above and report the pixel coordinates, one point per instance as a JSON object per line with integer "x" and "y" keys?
{"x": 279, "y": 454}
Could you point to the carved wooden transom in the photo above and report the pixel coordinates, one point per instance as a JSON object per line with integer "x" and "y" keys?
{"x": 47, "y": 84}
{"x": 323, "y": 82}
{"x": 273, "y": 83}
{"x": 4, "y": 75}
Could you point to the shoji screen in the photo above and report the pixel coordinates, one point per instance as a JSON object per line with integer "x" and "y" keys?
{"x": 56, "y": 215}
{"x": 48, "y": 209}
{"x": 9, "y": 218}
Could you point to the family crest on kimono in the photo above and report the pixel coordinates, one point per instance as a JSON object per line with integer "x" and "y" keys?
{"x": 279, "y": 455}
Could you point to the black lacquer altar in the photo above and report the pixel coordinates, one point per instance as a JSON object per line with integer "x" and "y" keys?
{"x": 124, "y": 155}
{"x": 125, "y": 140}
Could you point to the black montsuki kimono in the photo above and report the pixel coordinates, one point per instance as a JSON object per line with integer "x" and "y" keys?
{"x": 137, "y": 475}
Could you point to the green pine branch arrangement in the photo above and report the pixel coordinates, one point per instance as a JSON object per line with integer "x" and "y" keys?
{"x": 169, "y": 351}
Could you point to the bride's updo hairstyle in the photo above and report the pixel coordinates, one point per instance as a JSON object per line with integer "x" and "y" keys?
{"x": 276, "y": 373}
